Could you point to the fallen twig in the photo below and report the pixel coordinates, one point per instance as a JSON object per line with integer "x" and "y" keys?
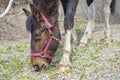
{"x": 7, "y": 9}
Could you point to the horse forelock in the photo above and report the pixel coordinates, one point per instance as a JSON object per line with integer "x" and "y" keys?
{"x": 29, "y": 22}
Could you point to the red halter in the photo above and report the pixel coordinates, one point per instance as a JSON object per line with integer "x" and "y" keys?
{"x": 44, "y": 53}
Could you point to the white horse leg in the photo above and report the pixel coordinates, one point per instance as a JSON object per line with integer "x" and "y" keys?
{"x": 74, "y": 40}
{"x": 90, "y": 25}
{"x": 74, "y": 36}
{"x": 65, "y": 62}
{"x": 107, "y": 38}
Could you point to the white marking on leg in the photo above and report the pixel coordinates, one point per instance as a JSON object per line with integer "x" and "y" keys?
{"x": 65, "y": 62}
{"x": 74, "y": 36}
{"x": 107, "y": 15}
{"x": 67, "y": 44}
{"x": 90, "y": 25}
{"x": 74, "y": 40}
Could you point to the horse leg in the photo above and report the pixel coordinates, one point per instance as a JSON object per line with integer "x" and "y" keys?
{"x": 65, "y": 63}
{"x": 74, "y": 36}
{"x": 107, "y": 13}
{"x": 90, "y": 25}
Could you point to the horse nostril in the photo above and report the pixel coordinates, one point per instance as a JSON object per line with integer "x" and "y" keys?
{"x": 36, "y": 68}
{"x": 43, "y": 66}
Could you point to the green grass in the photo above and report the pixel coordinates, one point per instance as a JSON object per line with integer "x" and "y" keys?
{"x": 82, "y": 76}
{"x": 15, "y": 61}
{"x": 18, "y": 63}
{"x": 27, "y": 76}
{"x": 115, "y": 58}
{"x": 14, "y": 48}
{"x": 80, "y": 28}
{"x": 91, "y": 59}
{"x": 117, "y": 43}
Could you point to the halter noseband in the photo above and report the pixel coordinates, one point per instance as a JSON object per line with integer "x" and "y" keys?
{"x": 44, "y": 53}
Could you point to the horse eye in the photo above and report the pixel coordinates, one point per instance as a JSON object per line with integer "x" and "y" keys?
{"x": 37, "y": 38}
{"x": 37, "y": 34}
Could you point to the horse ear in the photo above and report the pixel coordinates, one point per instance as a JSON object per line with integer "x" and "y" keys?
{"x": 27, "y": 13}
{"x": 35, "y": 11}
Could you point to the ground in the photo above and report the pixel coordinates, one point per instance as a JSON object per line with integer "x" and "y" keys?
{"x": 96, "y": 61}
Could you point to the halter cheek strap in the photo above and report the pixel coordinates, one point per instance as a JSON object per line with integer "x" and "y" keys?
{"x": 48, "y": 25}
{"x": 44, "y": 53}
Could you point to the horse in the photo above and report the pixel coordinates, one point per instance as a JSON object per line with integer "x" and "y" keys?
{"x": 42, "y": 23}
{"x": 109, "y": 8}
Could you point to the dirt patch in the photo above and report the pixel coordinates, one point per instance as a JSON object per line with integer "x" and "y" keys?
{"x": 12, "y": 26}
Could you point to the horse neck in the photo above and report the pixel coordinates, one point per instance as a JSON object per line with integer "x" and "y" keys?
{"x": 47, "y": 7}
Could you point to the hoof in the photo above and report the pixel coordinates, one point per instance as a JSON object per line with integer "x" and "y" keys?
{"x": 64, "y": 68}
{"x": 82, "y": 44}
{"x": 106, "y": 40}
{"x": 65, "y": 65}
